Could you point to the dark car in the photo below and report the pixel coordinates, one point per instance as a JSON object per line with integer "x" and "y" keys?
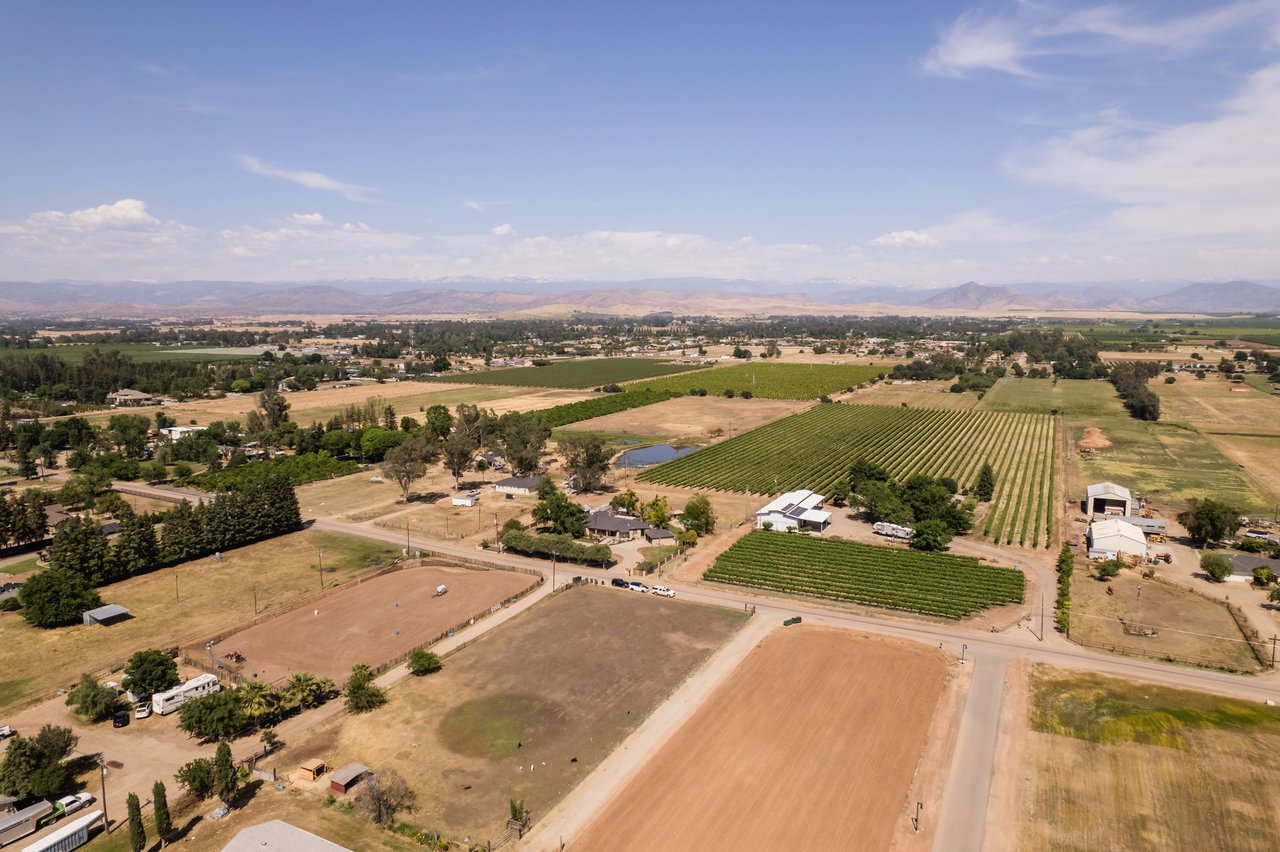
{"x": 620, "y": 583}
{"x": 120, "y": 719}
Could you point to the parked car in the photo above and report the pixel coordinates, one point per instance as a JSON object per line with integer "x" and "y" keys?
{"x": 638, "y": 587}
{"x": 142, "y": 710}
{"x": 6, "y": 731}
{"x": 619, "y": 583}
{"x": 664, "y": 591}
{"x": 71, "y": 804}
{"x": 120, "y": 719}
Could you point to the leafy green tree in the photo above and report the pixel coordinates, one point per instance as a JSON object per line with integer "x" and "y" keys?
{"x": 257, "y": 699}
{"x": 362, "y": 694}
{"x": 699, "y": 516}
{"x": 226, "y": 778}
{"x": 627, "y": 501}
{"x": 421, "y": 661}
{"x": 1262, "y": 575}
{"x": 197, "y": 778}
{"x": 160, "y": 808}
{"x": 556, "y": 513}
{"x": 149, "y": 672}
{"x": 458, "y": 453}
{"x": 218, "y": 715}
{"x": 656, "y": 512}
{"x": 1210, "y": 520}
{"x": 128, "y": 432}
{"x": 986, "y": 487}
{"x": 1107, "y": 570}
{"x": 56, "y": 597}
{"x": 840, "y": 492}
{"x": 137, "y": 833}
{"x": 931, "y": 535}
{"x": 154, "y": 471}
{"x": 439, "y": 422}
{"x": 80, "y": 546}
{"x": 406, "y": 464}
{"x": 36, "y": 767}
{"x": 92, "y": 702}
{"x": 275, "y": 408}
{"x": 586, "y": 459}
{"x": 1216, "y": 566}
{"x": 376, "y": 442}
{"x": 523, "y": 437}
{"x": 864, "y": 470}
{"x": 135, "y": 548}
{"x": 307, "y": 690}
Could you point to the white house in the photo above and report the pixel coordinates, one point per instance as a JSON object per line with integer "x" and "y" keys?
{"x": 794, "y": 510}
{"x": 517, "y": 485}
{"x": 173, "y": 433}
{"x": 1113, "y": 538}
{"x": 1107, "y": 498}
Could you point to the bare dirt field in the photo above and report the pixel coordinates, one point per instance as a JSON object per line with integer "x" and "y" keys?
{"x": 1191, "y": 627}
{"x": 180, "y": 604}
{"x": 371, "y": 623}
{"x": 701, "y": 419}
{"x": 811, "y": 744}
{"x": 529, "y": 709}
{"x": 1113, "y": 764}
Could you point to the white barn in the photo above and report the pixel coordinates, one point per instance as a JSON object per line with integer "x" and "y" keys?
{"x": 1107, "y": 498}
{"x": 1113, "y": 538}
{"x": 800, "y": 510}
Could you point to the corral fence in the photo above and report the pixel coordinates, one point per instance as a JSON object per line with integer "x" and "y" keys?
{"x": 205, "y": 662}
{"x": 1129, "y": 650}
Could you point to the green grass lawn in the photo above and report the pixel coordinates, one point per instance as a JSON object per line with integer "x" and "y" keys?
{"x": 19, "y": 567}
{"x": 1043, "y": 396}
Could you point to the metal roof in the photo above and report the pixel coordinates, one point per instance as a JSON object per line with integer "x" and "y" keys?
{"x": 108, "y": 611}
{"x": 279, "y": 836}
{"x": 348, "y": 773}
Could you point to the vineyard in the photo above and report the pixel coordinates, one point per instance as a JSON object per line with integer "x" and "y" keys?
{"x": 771, "y": 381}
{"x": 580, "y": 373}
{"x": 928, "y": 583}
{"x": 572, "y": 412}
{"x": 816, "y": 448}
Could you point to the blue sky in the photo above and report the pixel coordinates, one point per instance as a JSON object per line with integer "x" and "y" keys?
{"x": 911, "y": 143}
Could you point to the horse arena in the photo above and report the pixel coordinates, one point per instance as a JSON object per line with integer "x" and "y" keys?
{"x": 373, "y": 622}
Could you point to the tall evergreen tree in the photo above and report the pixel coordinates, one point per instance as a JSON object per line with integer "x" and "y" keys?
{"x": 986, "y": 486}
{"x": 160, "y": 807}
{"x": 135, "y": 548}
{"x": 80, "y": 546}
{"x": 137, "y": 834}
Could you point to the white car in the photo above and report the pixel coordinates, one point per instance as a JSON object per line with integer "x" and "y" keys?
{"x": 71, "y": 804}
{"x": 142, "y": 710}
{"x": 663, "y": 591}
{"x": 639, "y": 587}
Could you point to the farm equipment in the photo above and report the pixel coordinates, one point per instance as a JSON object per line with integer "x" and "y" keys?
{"x": 441, "y": 589}
{"x": 795, "y": 619}
{"x": 234, "y": 656}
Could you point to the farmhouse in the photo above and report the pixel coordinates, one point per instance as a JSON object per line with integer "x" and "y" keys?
{"x": 1107, "y": 498}
{"x": 1113, "y": 537}
{"x": 622, "y": 527}
{"x": 129, "y": 398}
{"x": 279, "y": 836}
{"x": 495, "y": 461}
{"x": 109, "y": 614}
{"x": 173, "y": 433}
{"x": 517, "y": 485}
{"x": 794, "y": 510}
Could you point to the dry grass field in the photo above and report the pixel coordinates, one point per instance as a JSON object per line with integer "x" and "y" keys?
{"x": 529, "y": 709}
{"x": 915, "y": 395}
{"x": 371, "y": 623}
{"x": 811, "y": 744}
{"x": 175, "y": 605}
{"x": 1258, "y": 457}
{"x": 1112, "y": 764}
{"x": 1216, "y": 405}
{"x": 1191, "y": 627}
{"x": 699, "y": 419}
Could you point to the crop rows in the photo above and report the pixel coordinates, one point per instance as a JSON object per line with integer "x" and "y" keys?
{"x": 816, "y": 448}
{"x": 770, "y": 381}
{"x": 579, "y": 373}
{"x": 930, "y": 583}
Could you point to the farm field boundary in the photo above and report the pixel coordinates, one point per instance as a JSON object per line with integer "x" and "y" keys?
{"x": 925, "y": 583}
{"x": 816, "y": 448}
{"x": 583, "y": 373}
{"x": 770, "y": 381}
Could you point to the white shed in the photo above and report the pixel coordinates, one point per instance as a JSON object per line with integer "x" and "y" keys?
{"x": 794, "y": 510}
{"x": 1113, "y": 537}
{"x": 1107, "y": 498}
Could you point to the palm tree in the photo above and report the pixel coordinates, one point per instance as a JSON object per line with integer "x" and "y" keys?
{"x": 302, "y": 688}
{"x": 257, "y": 699}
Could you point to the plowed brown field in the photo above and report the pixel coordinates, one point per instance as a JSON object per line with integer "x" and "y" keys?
{"x": 811, "y": 744}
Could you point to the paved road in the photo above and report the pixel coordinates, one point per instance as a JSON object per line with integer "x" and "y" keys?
{"x": 964, "y": 802}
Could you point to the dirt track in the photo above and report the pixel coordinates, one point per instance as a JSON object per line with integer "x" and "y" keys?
{"x": 811, "y": 744}
{"x": 359, "y": 624}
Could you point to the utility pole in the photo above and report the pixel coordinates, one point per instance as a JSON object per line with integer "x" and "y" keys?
{"x": 496, "y": 537}
{"x": 255, "y": 599}
{"x": 106, "y": 823}
{"x": 963, "y": 650}
{"x": 1273, "y": 650}
{"x": 1042, "y": 618}
{"x": 1139, "y": 607}
{"x": 406, "y": 538}
{"x": 321, "y": 558}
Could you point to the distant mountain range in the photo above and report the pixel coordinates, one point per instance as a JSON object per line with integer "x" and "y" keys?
{"x": 526, "y": 297}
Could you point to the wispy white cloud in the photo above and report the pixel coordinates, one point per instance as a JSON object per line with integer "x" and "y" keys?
{"x": 310, "y": 180}
{"x": 1010, "y": 40}
{"x": 504, "y": 230}
{"x": 905, "y": 239}
{"x": 153, "y": 70}
{"x": 484, "y": 206}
